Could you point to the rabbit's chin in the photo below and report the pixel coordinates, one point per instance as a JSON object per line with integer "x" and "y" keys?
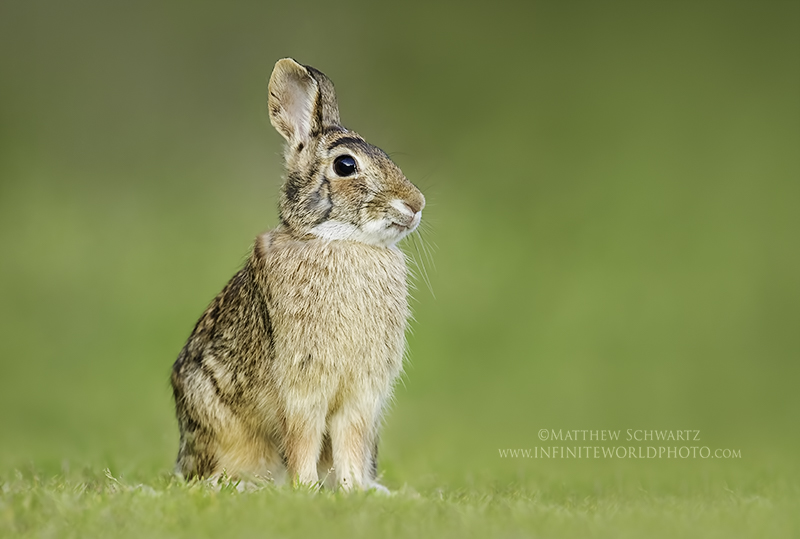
{"x": 379, "y": 232}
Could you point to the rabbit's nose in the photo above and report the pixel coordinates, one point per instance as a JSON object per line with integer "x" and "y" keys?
{"x": 404, "y": 207}
{"x": 415, "y": 205}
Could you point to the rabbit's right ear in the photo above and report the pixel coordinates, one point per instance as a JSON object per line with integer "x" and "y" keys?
{"x": 302, "y": 101}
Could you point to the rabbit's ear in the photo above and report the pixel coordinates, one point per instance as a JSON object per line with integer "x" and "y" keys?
{"x": 302, "y": 101}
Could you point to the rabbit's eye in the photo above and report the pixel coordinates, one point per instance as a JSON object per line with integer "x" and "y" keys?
{"x": 344, "y": 165}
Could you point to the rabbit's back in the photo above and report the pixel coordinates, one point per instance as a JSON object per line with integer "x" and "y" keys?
{"x": 218, "y": 379}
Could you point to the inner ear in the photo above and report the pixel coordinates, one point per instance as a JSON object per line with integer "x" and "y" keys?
{"x": 302, "y": 101}
{"x": 293, "y": 101}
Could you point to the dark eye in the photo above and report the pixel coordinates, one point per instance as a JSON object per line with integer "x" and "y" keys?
{"x": 344, "y": 165}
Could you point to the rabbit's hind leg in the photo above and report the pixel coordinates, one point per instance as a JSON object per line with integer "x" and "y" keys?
{"x": 198, "y": 453}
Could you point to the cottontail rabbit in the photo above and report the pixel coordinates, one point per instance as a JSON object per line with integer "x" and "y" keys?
{"x": 288, "y": 371}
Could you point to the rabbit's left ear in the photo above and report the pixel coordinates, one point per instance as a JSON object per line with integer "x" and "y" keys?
{"x": 302, "y": 101}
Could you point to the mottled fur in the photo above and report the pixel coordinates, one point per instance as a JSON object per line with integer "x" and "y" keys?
{"x": 289, "y": 370}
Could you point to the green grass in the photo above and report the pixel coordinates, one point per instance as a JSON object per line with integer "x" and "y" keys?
{"x": 93, "y": 504}
{"x": 612, "y": 211}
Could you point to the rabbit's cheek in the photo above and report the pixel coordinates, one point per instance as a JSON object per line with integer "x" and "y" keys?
{"x": 319, "y": 202}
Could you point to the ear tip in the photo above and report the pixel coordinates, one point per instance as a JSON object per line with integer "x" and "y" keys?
{"x": 286, "y": 69}
{"x": 289, "y": 69}
{"x": 286, "y": 62}
{"x": 289, "y": 65}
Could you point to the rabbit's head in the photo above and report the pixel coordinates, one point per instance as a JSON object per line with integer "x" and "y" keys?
{"x": 338, "y": 186}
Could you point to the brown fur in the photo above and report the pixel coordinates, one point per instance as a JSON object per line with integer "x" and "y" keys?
{"x": 288, "y": 371}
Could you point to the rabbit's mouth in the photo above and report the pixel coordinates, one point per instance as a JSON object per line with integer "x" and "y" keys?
{"x": 406, "y": 225}
{"x": 406, "y": 218}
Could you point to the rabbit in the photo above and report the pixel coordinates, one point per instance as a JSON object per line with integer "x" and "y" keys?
{"x": 288, "y": 372}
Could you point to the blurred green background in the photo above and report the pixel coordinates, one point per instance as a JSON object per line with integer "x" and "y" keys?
{"x": 613, "y": 193}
